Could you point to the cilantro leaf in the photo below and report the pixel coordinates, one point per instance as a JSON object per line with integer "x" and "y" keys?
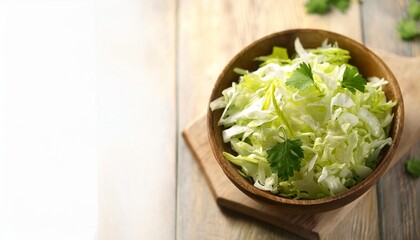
{"x": 302, "y": 77}
{"x": 414, "y": 9}
{"x": 342, "y": 5}
{"x": 413, "y": 167}
{"x": 353, "y": 81}
{"x": 408, "y": 29}
{"x": 285, "y": 157}
{"x": 318, "y": 6}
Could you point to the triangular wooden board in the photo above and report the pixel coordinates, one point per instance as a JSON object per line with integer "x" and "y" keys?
{"x": 309, "y": 226}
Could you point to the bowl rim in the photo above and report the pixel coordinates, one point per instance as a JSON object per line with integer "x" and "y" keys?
{"x": 356, "y": 191}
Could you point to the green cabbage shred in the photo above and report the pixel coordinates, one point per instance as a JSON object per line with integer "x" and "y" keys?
{"x": 308, "y": 127}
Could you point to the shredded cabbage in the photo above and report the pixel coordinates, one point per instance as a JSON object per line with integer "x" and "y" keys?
{"x": 342, "y": 132}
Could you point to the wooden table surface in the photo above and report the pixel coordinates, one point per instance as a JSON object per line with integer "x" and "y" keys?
{"x": 153, "y": 65}
{"x": 208, "y": 34}
{"x": 165, "y": 56}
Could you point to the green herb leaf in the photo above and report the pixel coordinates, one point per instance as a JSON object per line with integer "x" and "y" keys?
{"x": 324, "y": 6}
{"x": 414, "y": 9}
{"x": 353, "y": 81}
{"x": 302, "y": 77}
{"x": 408, "y": 29}
{"x": 318, "y": 6}
{"x": 342, "y": 5}
{"x": 413, "y": 167}
{"x": 285, "y": 157}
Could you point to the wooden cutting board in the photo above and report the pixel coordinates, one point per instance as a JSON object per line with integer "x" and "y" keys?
{"x": 316, "y": 226}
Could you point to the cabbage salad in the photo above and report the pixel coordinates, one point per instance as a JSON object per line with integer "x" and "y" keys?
{"x": 306, "y": 127}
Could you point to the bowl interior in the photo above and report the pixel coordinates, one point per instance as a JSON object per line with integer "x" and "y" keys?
{"x": 368, "y": 64}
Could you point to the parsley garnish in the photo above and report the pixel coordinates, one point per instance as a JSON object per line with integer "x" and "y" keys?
{"x": 353, "y": 81}
{"x": 413, "y": 167}
{"x": 342, "y": 5}
{"x": 407, "y": 28}
{"x": 302, "y": 77}
{"x": 324, "y": 6}
{"x": 414, "y": 9}
{"x": 318, "y": 6}
{"x": 285, "y": 157}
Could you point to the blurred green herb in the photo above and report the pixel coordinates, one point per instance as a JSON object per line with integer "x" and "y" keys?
{"x": 342, "y": 5}
{"x": 318, "y": 6}
{"x": 413, "y": 167}
{"x": 408, "y": 27}
{"x": 414, "y": 9}
{"x": 325, "y": 6}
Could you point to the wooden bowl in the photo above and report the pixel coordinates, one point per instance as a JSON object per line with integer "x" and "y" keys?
{"x": 368, "y": 63}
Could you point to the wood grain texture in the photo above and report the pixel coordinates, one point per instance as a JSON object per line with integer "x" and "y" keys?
{"x": 398, "y": 193}
{"x": 209, "y": 34}
{"x": 317, "y": 226}
{"x": 136, "y": 101}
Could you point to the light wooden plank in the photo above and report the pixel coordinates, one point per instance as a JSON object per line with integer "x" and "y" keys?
{"x": 210, "y": 33}
{"x": 399, "y": 194}
{"x": 136, "y": 101}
